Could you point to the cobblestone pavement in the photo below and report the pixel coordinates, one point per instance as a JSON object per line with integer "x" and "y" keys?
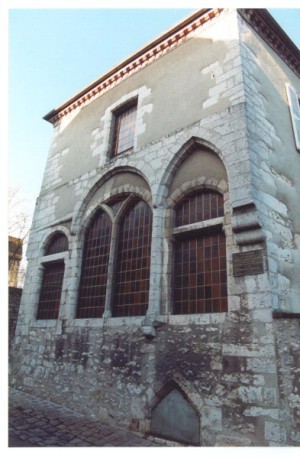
{"x": 35, "y": 422}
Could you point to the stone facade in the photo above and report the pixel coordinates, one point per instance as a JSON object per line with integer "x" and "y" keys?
{"x": 14, "y": 299}
{"x": 212, "y": 114}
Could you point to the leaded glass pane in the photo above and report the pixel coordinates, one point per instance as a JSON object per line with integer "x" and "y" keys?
{"x": 133, "y": 262}
{"x": 92, "y": 290}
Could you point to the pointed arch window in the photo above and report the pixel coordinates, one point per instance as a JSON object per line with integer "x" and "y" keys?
{"x": 92, "y": 289}
{"x": 53, "y": 275}
{"x": 200, "y": 277}
{"x": 132, "y": 276}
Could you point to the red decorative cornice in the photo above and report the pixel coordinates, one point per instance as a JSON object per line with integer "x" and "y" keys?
{"x": 259, "y": 19}
{"x": 157, "y": 48}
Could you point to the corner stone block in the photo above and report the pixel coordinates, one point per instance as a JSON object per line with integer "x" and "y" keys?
{"x": 249, "y": 395}
{"x": 211, "y": 418}
{"x": 275, "y": 432}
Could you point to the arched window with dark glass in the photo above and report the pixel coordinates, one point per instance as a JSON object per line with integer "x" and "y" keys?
{"x": 53, "y": 275}
{"x": 58, "y": 244}
{"x": 93, "y": 280}
{"x": 200, "y": 276}
{"x": 132, "y": 276}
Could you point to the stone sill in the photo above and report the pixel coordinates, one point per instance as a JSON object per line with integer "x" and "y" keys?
{"x": 44, "y": 323}
{"x": 179, "y": 320}
{"x": 201, "y": 318}
{"x": 106, "y": 322}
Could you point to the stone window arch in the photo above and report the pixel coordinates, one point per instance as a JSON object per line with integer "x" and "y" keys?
{"x": 53, "y": 274}
{"x": 199, "y": 254}
{"x": 115, "y": 270}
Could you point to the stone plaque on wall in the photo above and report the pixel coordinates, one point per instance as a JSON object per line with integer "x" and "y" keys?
{"x": 248, "y": 263}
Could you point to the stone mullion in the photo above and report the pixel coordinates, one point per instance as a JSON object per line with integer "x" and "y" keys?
{"x": 156, "y": 262}
{"x": 71, "y": 281}
{"x": 111, "y": 271}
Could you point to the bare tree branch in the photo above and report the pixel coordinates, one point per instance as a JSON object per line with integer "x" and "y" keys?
{"x": 19, "y": 220}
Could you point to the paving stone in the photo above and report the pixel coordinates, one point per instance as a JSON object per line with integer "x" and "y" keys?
{"x": 35, "y": 422}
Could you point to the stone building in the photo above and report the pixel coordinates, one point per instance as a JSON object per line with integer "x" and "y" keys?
{"x": 163, "y": 290}
{"x": 15, "y": 246}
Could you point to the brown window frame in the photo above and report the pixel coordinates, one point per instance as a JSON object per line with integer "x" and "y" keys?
{"x": 121, "y": 130}
{"x": 199, "y": 280}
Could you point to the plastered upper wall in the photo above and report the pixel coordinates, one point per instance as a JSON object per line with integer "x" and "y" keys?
{"x": 181, "y": 89}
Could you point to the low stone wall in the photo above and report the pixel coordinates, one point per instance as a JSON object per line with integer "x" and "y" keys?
{"x": 14, "y": 299}
{"x": 223, "y": 366}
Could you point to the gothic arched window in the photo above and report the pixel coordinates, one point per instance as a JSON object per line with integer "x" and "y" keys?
{"x": 200, "y": 277}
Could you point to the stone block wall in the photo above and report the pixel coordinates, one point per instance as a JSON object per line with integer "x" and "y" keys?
{"x": 271, "y": 149}
{"x": 243, "y": 388}
{"x": 287, "y": 335}
{"x": 14, "y": 299}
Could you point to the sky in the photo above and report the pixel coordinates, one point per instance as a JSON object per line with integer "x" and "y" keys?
{"x": 57, "y": 50}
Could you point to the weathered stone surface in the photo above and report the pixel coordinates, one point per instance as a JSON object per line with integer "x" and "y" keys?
{"x": 230, "y": 131}
{"x": 233, "y": 441}
{"x": 14, "y": 299}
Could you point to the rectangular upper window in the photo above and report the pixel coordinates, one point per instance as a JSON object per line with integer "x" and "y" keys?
{"x": 293, "y": 99}
{"x": 124, "y": 128}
